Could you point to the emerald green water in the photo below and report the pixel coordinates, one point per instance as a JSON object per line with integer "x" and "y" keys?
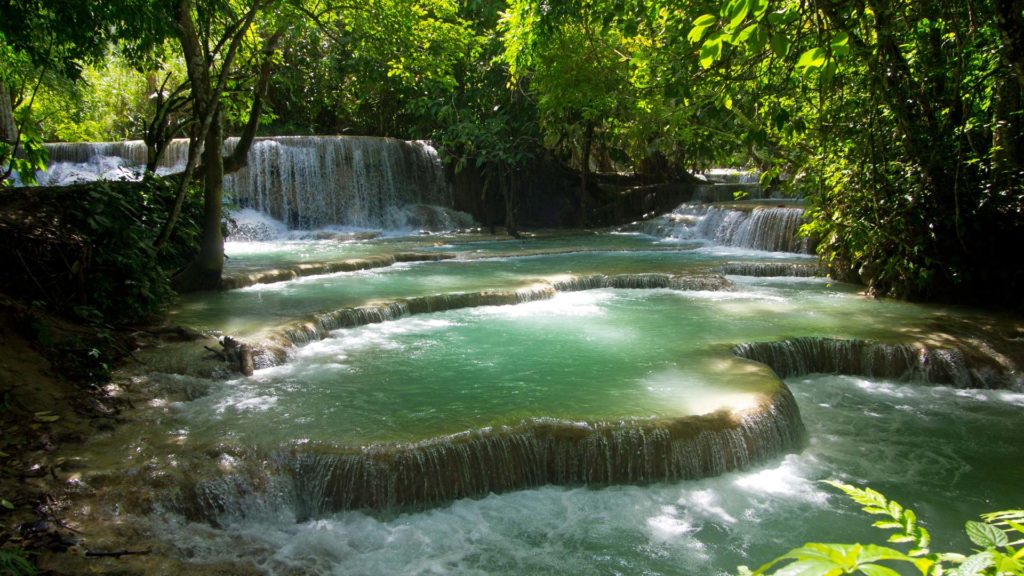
{"x": 600, "y": 355}
{"x": 592, "y": 356}
{"x": 585, "y": 356}
{"x": 483, "y": 265}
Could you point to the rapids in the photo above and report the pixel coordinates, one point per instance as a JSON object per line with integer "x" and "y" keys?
{"x": 661, "y": 399}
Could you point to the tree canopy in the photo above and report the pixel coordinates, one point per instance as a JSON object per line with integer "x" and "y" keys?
{"x": 899, "y": 122}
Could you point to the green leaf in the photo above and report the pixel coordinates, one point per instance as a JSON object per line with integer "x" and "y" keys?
{"x": 705, "y": 20}
{"x": 711, "y": 50}
{"x": 986, "y": 535}
{"x": 737, "y": 13}
{"x": 7, "y": 504}
{"x": 813, "y": 58}
{"x": 757, "y": 41}
{"x": 876, "y": 570}
{"x": 780, "y": 45}
{"x": 758, "y": 8}
{"x": 975, "y": 565}
{"x": 696, "y": 34}
{"x": 727, "y": 102}
{"x": 840, "y": 44}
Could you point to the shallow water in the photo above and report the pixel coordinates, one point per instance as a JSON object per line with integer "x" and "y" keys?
{"x": 486, "y": 265}
{"x": 596, "y": 355}
{"x": 898, "y": 438}
{"x": 592, "y": 355}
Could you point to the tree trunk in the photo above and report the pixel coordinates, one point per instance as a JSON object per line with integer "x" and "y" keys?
{"x": 240, "y": 155}
{"x": 509, "y": 183}
{"x": 205, "y": 271}
{"x": 1010, "y": 23}
{"x": 8, "y": 129}
{"x": 588, "y": 143}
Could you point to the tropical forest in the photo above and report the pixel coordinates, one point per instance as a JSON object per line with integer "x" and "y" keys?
{"x": 512, "y": 287}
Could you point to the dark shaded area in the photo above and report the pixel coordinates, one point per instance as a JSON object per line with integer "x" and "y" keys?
{"x": 86, "y": 251}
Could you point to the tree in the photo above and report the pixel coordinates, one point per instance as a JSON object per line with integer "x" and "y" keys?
{"x": 212, "y": 36}
{"x": 910, "y": 121}
{"x": 40, "y": 39}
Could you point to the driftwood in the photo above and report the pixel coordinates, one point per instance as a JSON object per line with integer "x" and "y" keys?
{"x": 237, "y": 354}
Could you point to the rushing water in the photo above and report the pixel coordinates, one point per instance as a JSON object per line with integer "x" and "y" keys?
{"x": 305, "y": 181}
{"x": 900, "y": 438}
{"x": 431, "y": 434}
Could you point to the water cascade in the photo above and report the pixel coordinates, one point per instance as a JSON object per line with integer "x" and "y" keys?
{"x": 772, "y": 229}
{"x": 314, "y": 481}
{"x": 769, "y": 269}
{"x": 305, "y": 181}
{"x": 950, "y": 367}
{"x": 272, "y": 352}
{"x": 363, "y": 182}
{"x": 234, "y": 280}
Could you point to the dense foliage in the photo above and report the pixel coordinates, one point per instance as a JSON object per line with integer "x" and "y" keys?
{"x": 998, "y": 538}
{"x": 87, "y": 251}
{"x": 900, "y": 122}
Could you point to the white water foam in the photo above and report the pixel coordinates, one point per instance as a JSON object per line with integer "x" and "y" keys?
{"x": 700, "y": 527}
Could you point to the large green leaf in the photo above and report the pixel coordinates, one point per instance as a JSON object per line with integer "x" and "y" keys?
{"x": 780, "y": 45}
{"x": 811, "y": 59}
{"x": 711, "y": 50}
{"x": 738, "y": 10}
{"x": 696, "y": 33}
{"x": 986, "y": 535}
{"x": 840, "y": 44}
{"x": 758, "y": 8}
{"x": 705, "y": 20}
{"x": 975, "y": 565}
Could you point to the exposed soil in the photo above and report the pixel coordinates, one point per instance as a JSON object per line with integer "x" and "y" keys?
{"x": 50, "y": 403}
{"x": 41, "y": 409}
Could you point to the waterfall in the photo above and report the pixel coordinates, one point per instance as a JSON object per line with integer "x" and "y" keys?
{"x": 273, "y": 351}
{"x": 316, "y": 480}
{"x": 642, "y": 281}
{"x": 305, "y": 181}
{"x": 876, "y": 360}
{"x": 767, "y": 269}
{"x": 314, "y": 181}
{"x": 762, "y": 228}
{"x": 242, "y": 279}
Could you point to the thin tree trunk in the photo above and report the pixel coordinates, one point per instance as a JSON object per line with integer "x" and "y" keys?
{"x": 205, "y": 271}
{"x": 1010, "y": 23}
{"x": 240, "y": 155}
{"x": 588, "y": 142}
{"x": 8, "y": 128}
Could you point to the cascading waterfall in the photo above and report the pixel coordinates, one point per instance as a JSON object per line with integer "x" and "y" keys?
{"x": 642, "y": 282}
{"x": 801, "y": 356}
{"x": 273, "y": 351}
{"x": 304, "y": 181}
{"x": 243, "y": 279}
{"x": 768, "y": 269}
{"x": 316, "y": 480}
{"x": 364, "y": 182}
{"x": 761, "y": 228}
{"x": 301, "y": 333}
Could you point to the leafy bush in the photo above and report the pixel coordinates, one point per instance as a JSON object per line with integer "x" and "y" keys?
{"x": 87, "y": 250}
{"x": 999, "y": 537}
